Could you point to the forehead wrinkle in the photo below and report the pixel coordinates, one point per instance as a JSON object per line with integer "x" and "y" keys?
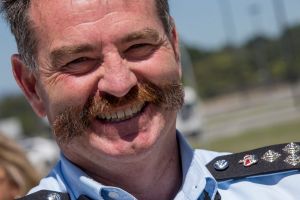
{"x": 103, "y": 6}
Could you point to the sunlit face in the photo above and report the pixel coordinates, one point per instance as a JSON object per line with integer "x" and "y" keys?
{"x": 99, "y": 48}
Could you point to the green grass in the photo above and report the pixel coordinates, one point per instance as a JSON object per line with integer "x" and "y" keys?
{"x": 280, "y": 133}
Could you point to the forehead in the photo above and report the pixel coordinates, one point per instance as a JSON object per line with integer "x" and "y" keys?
{"x": 44, "y": 12}
{"x": 58, "y": 22}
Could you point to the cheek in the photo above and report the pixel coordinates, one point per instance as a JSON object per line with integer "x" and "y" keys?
{"x": 161, "y": 69}
{"x": 66, "y": 92}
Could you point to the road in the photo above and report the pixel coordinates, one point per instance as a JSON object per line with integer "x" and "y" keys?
{"x": 236, "y": 113}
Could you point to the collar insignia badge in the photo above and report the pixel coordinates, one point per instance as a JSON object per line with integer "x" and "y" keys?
{"x": 249, "y": 160}
{"x": 292, "y": 159}
{"x": 291, "y": 148}
{"x": 221, "y": 165}
{"x": 270, "y": 156}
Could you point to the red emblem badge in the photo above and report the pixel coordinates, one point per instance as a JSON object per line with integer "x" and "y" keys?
{"x": 249, "y": 160}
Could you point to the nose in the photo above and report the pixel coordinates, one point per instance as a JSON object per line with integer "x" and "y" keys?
{"x": 118, "y": 79}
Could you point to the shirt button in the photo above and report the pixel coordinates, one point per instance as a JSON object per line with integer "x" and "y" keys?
{"x": 113, "y": 195}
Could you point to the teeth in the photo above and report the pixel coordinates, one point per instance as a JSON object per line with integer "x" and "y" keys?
{"x": 121, "y": 114}
{"x": 114, "y": 116}
{"x": 107, "y": 116}
{"x": 128, "y": 112}
{"x": 134, "y": 109}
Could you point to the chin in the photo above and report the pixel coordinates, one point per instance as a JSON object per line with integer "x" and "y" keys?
{"x": 134, "y": 146}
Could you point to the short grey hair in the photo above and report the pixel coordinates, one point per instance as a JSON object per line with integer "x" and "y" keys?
{"x": 16, "y": 15}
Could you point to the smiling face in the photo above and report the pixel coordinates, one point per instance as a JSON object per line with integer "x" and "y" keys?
{"x": 95, "y": 58}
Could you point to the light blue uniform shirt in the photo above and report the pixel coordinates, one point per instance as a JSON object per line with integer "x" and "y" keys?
{"x": 66, "y": 177}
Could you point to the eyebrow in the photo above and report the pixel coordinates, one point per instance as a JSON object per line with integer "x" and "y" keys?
{"x": 57, "y": 54}
{"x": 146, "y": 33}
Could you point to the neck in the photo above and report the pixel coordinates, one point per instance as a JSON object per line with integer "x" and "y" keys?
{"x": 160, "y": 171}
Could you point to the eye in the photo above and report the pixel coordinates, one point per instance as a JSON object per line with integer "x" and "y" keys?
{"x": 78, "y": 60}
{"x": 80, "y": 65}
{"x": 139, "y": 51}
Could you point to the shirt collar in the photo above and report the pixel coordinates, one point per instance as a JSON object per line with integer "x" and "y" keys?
{"x": 79, "y": 183}
{"x": 195, "y": 176}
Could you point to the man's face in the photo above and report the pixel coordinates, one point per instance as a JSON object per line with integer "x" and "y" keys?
{"x": 101, "y": 65}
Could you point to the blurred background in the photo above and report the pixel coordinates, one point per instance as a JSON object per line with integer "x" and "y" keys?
{"x": 240, "y": 67}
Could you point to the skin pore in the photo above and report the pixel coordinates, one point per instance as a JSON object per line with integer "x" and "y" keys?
{"x": 101, "y": 48}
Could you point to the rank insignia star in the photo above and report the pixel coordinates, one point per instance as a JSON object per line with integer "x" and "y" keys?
{"x": 270, "y": 156}
{"x": 292, "y": 159}
{"x": 249, "y": 160}
{"x": 291, "y": 148}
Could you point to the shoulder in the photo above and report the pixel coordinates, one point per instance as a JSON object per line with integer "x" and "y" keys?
{"x": 207, "y": 156}
{"x": 54, "y": 181}
{"x": 270, "y": 172}
{"x": 258, "y": 162}
{"x": 46, "y": 194}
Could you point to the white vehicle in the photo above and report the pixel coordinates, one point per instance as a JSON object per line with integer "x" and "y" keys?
{"x": 189, "y": 119}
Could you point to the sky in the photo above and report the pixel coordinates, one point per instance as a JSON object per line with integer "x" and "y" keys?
{"x": 200, "y": 23}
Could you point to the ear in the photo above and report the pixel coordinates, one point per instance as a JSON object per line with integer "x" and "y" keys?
{"x": 27, "y": 81}
{"x": 175, "y": 42}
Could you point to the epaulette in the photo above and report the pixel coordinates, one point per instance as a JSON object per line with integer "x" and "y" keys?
{"x": 265, "y": 160}
{"x": 50, "y": 195}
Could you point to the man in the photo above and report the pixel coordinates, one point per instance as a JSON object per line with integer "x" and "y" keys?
{"x": 107, "y": 73}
